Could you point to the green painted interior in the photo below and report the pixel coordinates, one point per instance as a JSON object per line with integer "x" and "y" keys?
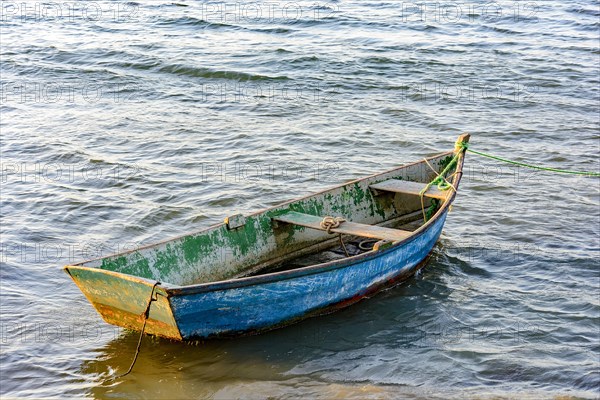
{"x": 219, "y": 253}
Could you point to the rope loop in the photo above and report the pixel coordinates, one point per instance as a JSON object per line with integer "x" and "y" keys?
{"x": 330, "y": 223}
{"x": 459, "y": 146}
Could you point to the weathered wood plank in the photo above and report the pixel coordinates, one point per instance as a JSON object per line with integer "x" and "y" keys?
{"x": 401, "y": 186}
{"x": 347, "y": 227}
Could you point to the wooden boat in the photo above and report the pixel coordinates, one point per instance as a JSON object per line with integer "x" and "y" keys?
{"x": 278, "y": 266}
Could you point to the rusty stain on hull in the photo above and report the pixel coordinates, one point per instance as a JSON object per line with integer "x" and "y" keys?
{"x": 122, "y": 300}
{"x": 119, "y": 317}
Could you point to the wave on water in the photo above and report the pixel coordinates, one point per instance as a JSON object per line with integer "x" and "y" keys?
{"x": 199, "y": 72}
{"x": 192, "y": 21}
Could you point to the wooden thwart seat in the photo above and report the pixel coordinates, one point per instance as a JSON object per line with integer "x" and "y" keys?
{"x": 400, "y": 186}
{"x": 346, "y": 228}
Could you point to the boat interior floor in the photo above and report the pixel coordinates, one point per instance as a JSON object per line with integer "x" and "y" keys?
{"x": 354, "y": 245}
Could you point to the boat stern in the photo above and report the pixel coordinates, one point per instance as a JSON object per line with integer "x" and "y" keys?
{"x": 122, "y": 300}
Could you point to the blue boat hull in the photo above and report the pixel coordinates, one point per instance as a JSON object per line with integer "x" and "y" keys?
{"x": 260, "y": 306}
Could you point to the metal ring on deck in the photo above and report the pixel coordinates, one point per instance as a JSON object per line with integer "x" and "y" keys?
{"x": 368, "y": 244}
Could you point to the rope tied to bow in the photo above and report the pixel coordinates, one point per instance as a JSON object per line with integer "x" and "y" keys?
{"x": 441, "y": 181}
{"x": 330, "y": 223}
{"x": 460, "y": 147}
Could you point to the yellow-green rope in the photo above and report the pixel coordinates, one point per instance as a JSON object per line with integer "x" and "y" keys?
{"x": 441, "y": 182}
{"x": 562, "y": 171}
